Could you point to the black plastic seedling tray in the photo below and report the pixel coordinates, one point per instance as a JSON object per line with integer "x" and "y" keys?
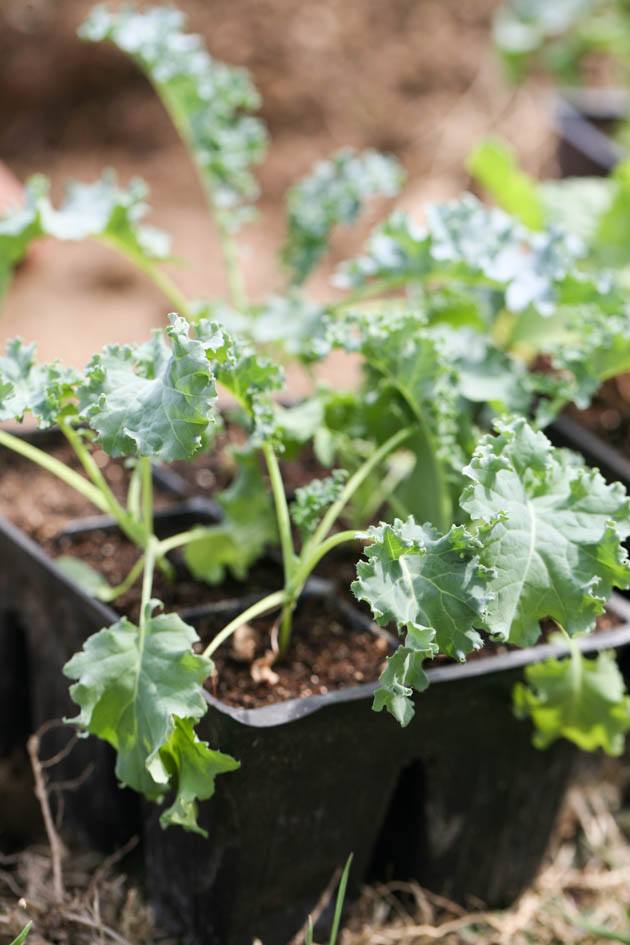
{"x": 583, "y": 119}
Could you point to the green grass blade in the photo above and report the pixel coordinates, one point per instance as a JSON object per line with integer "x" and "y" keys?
{"x": 23, "y": 934}
{"x": 341, "y": 895}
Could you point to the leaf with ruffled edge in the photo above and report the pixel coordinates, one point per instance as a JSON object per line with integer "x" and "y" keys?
{"x": 209, "y": 101}
{"x": 100, "y": 210}
{"x": 312, "y": 500}
{"x": 556, "y": 546}
{"x": 139, "y": 689}
{"x": 433, "y": 587}
{"x": 581, "y": 699}
{"x": 44, "y": 390}
{"x": 154, "y": 400}
{"x": 249, "y": 377}
{"x": 333, "y": 193}
{"x": 467, "y": 242}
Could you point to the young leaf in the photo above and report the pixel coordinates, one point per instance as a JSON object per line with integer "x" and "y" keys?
{"x": 397, "y": 252}
{"x": 556, "y": 541}
{"x": 333, "y": 193}
{"x": 193, "y": 767}
{"x": 88, "y": 578}
{"x": 419, "y": 579}
{"x": 595, "y": 348}
{"x": 152, "y": 400}
{"x": 313, "y": 500}
{"x": 44, "y": 390}
{"x": 102, "y": 210}
{"x": 132, "y": 686}
{"x": 19, "y": 227}
{"x": 208, "y": 101}
{"x": 581, "y": 699}
{"x": 493, "y": 165}
{"x": 248, "y": 526}
{"x": 250, "y": 378}
{"x": 24, "y": 934}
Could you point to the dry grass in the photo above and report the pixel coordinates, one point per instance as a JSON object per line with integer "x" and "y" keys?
{"x": 587, "y": 880}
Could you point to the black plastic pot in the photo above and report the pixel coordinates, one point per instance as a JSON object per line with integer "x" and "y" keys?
{"x": 583, "y": 120}
{"x": 44, "y": 618}
{"x": 567, "y": 432}
{"x": 468, "y": 803}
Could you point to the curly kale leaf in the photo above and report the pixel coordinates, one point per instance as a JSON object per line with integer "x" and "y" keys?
{"x": 432, "y": 587}
{"x": 469, "y": 243}
{"x": 140, "y": 690}
{"x": 248, "y": 526}
{"x": 583, "y": 700}
{"x": 250, "y": 378}
{"x": 333, "y": 193}
{"x": 313, "y": 500}
{"x": 44, "y": 390}
{"x": 154, "y": 400}
{"x": 556, "y": 542}
{"x": 209, "y": 101}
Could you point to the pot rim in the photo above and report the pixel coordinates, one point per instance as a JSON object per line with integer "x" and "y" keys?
{"x": 290, "y": 710}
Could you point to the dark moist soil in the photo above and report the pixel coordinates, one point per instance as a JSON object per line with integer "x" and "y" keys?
{"x": 42, "y": 505}
{"x": 608, "y": 416}
{"x": 326, "y": 655}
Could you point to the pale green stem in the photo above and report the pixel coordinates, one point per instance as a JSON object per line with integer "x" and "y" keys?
{"x": 57, "y": 468}
{"x": 236, "y": 282}
{"x": 128, "y": 582}
{"x": 169, "y": 289}
{"x": 306, "y": 565}
{"x": 147, "y": 494}
{"x": 134, "y": 493}
{"x": 355, "y": 482}
{"x": 261, "y": 607}
{"x": 282, "y": 511}
{"x": 133, "y": 529}
{"x": 183, "y": 538}
{"x": 147, "y": 581}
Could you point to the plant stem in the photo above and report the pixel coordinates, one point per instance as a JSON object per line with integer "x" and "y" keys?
{"x": 147, "y": 581}
{"x": 264, "y": 606}
{"x": 236, "y": 282}
{"x": 183, "y": 538}
{"x": 57, "y": 468}
{"x": 128, "y": 582}
{"x": 147, "y": 494}
{"x": 355, "y": 482}
{"x": 169, "y": 289}
{"x": 282, "y": 511}
{"x": 133, "y": 529}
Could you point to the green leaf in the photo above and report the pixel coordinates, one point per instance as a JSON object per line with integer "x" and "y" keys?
{"x": 44, "y": 390}
{"x": 88, "y": 578}
{"x": 132, "y": 685}
{"x": 397, "y": 252}
{"x": 193, "y": 767}
{"x": 472, "y": 244}
{"x": 313, "y": 500}
{"x": 418, "y": 579}
{"x": 249, "y": 377}
{"x": 23, "y": 935}
{"x": 556, "y": 541}
{"x": 432, "y": 587}
{"x": 583, "y": 700}
{"x": 403, "y": 674}
{"x": 99, "y": 210}
{"x": 153, "y": 400}
{"x": 102, "y": 210}
{"x": 577, "y": 203}
{"x": 596, "y": 347}
{"x": 333, "y": 193}
{"x": 493, "y": 165}
{"x": 209, "y": 102}
{"x": 248, "y": 526}
{"x": 19, "y": 227}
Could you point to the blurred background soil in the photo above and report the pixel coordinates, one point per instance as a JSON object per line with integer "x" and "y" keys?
{"x": 417, "y": 78}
